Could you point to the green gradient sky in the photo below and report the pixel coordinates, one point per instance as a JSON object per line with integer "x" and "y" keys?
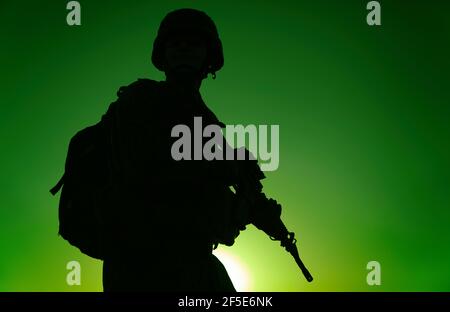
{"x": 364, "y": 131}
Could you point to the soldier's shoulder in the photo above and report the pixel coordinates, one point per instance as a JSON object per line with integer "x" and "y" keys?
{"x": 140, "y": 87}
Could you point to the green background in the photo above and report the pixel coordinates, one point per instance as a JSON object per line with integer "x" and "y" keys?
{"x": 364, "y": 131}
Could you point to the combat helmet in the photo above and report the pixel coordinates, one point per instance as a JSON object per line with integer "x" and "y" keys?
{"x": 191, "y": 21}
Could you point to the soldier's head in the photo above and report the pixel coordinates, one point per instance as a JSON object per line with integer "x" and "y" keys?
{"x": 188, "y": 44}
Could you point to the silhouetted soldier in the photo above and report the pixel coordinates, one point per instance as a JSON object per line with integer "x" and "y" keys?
{"x": 165, "y": 215}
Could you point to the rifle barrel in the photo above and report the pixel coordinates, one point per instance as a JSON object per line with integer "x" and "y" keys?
{"x": 294, "y": 252}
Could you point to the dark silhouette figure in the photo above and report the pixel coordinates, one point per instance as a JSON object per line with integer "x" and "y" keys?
{"x": 160, "y": 229}
{"x": 154, "y": 220}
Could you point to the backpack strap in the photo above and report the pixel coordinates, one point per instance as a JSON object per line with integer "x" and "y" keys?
{"x": 108, "y": 119}
{"x": 54, "y": 190}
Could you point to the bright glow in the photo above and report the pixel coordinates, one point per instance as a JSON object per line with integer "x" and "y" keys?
{"x": 235, "y": 269}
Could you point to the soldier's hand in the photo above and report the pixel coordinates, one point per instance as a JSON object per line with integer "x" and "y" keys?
{"x": 228, "y": 236}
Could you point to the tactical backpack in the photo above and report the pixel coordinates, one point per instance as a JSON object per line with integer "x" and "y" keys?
{"x": 87, "y": 183}
{"x": 88, "y": 180}
{"x": 84, "y": 186}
